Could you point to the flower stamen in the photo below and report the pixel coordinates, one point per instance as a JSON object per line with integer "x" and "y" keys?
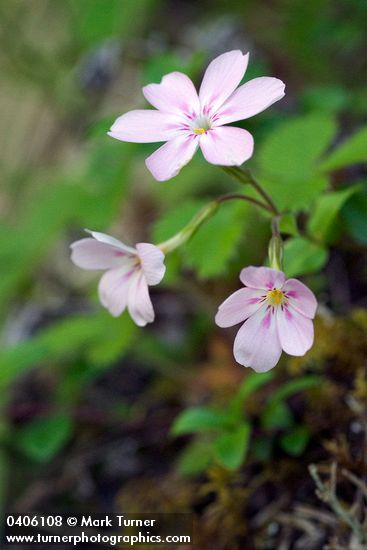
{"x": 275, "y": 297}
{"x": 199, "y": 131}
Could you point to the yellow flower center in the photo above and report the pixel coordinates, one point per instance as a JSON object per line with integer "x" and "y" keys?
{"x": 275, "y": 297}
{"x": 199, "y": 131}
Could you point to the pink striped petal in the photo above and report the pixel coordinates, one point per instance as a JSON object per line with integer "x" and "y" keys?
{"x": 139, "y": 303}
{"x": 221, "y": 77}
{"x": 238, "y": 307}
{"x": 295, "y": 331}
{"x": 145, "y": 126}
{"x": 262, "y": 277}
{"x": 152, "y": 262}
{"x": 113, "y": 289}
{"x": 91, "y": 254}
{"x": 257, "y": 343}
{"x": 250, "y": 99}
{"x": 301, "y": 297}
{"x": 227, "y": 146}
{"x": 103, "y": 238}
{"x": 167, "y": 161}
{"x": 175, "y": 94}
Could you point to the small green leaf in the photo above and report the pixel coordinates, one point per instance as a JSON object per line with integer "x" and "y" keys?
{"x": 43, "y": 438}
{"x": 354, "y": 214}
{"x": 295, "y": 441}
{"x": 329, "y": 99}
{"x": 195, "y": 458}
{"x": 210, "y": 256}
{"x": 277, "y": 415}
{"x": 175, "y": 219}
{"x": 200, "y": 419}
{"x": 324, "y": 216}
{"x": 296, "y": 195}
{"x": 287, "y": 160}
{"x": 293, "y": 148}
{"x": 295, "y": 386}
{"x": 302, "y": 256}
{"x": 353, "y": 150}
{"x": 231, "y": 447}
{"x": 252, "y": 383}
{"x": 288, "y": 225}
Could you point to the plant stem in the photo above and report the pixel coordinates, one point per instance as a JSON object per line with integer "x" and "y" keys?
{"x": 245, "y": 176}
{"x": 205, "y": 213}
{"x": 190, "y": 229}
{"x": 327, "y": 493}
{"x": 232, "y": 196}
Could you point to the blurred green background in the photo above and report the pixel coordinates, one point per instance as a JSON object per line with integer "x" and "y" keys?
{"x": 98, "y": 415}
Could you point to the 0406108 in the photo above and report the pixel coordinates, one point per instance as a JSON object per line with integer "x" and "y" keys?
{"x": 33, "y": 521}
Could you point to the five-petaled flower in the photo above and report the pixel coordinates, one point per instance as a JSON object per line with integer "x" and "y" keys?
{"x": 278, "y": 316}
{"x": 129, "y": 272}
{"x": 187, "y": 120}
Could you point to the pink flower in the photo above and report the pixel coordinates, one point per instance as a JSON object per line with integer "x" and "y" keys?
{"x": 186, "y": 120}
{"x": 129, "y": 271}
{"x": 277, "y": 315}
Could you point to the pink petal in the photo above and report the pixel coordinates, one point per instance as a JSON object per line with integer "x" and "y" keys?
{"x": 175, "y": 94}
{"x": 239, "y": 306}
{"x": 227, "y": 146}
{"x": 91, "y": 254}
{"x": 113, "y": 289}
{"x": 250, "y": 99}
{"x": 295, "y": 331}
{"x": 167, "y": 161}
{"x": 145, "y": 126}
{"x": 221, "y": 77}
{"x": 262, "y": 277}
{"x": 301, "y": 297}
{"x": 139, "y": 303}
{"x": 257, "y": 343}
{"x": 103, "y": 238}
{"x": 152, "y": 262}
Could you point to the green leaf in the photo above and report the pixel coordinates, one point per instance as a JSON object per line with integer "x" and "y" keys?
{"x": 354, "y": 214}
{"x": 295, "y": 441}
{"x": 195, "y": 458}
{"x": 329, "y": 99}
{"x": 215, "y": 244}
{"x": 288, "y": 225}
{"x": 208, "y": 255}
{"x": 321, "y": 224}
{"x": 277, "y": 415}
{"x": 302, "y": 256}
{"x": 200, "y": 419}
{"x": 296, "y": 195}
{"x": 231, "y": 447}
{"x": 43, "y": 438}
{"x": 351, "y": 151}
{"x": 287, "y": 160}
{"x": 293, "y": 148}
{"x": 252, "y": 383}
{"x": 295, "y": 386}
{"x": 175, "y": 219}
